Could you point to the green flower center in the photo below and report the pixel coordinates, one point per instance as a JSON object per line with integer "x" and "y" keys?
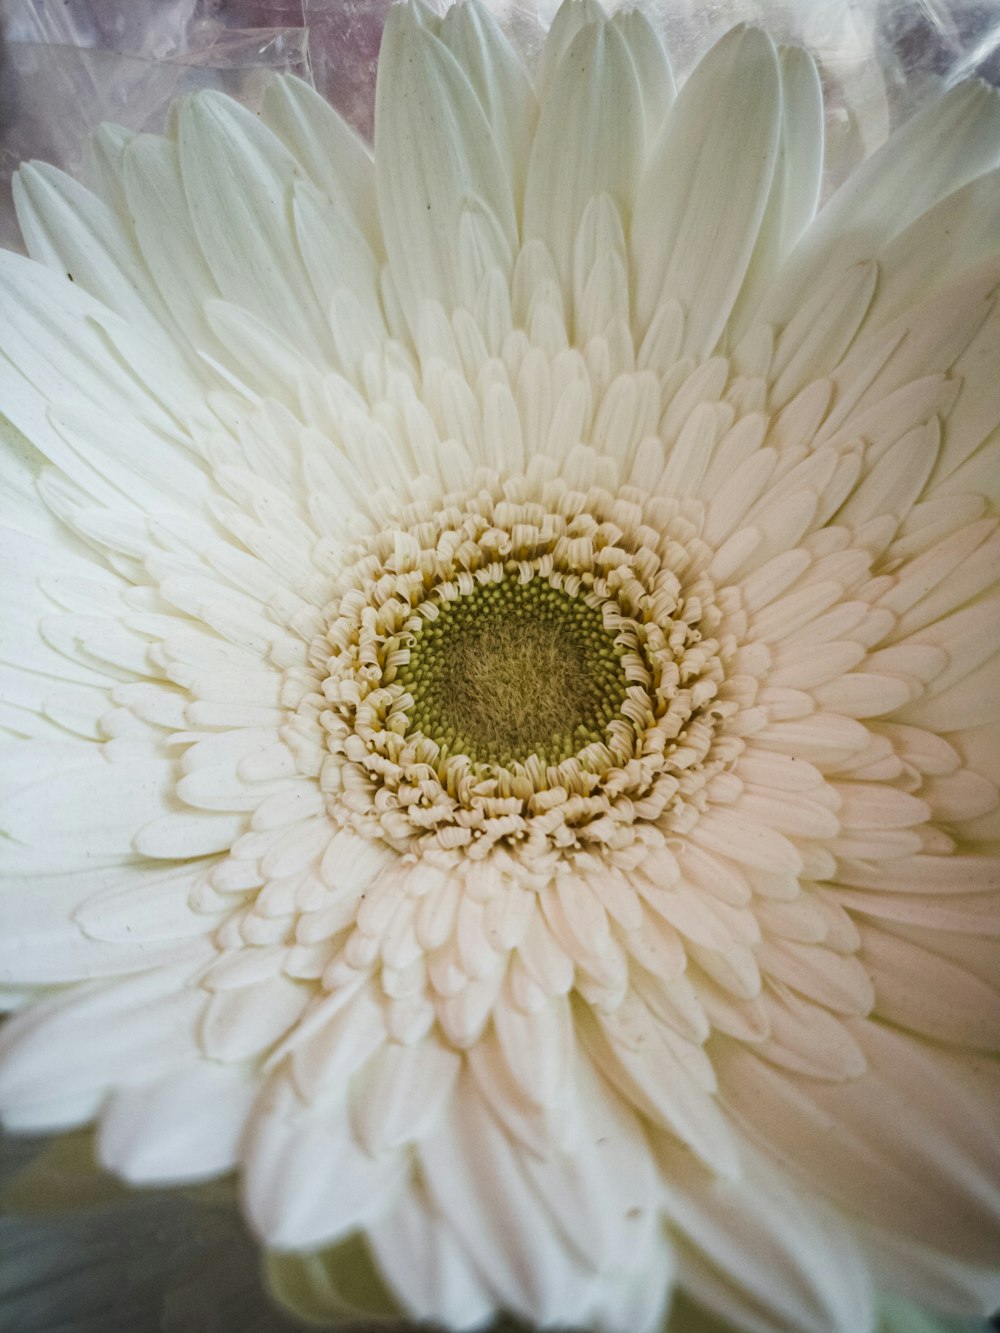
{"x": 512, "y": 670}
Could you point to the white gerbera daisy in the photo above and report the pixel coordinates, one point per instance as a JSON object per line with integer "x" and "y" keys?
{"x": 502, "y": 657}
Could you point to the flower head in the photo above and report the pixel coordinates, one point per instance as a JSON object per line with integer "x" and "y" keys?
{"x": 502, "y": 674}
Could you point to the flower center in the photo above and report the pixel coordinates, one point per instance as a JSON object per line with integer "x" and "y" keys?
{"x": 515, "y": 669}
{"x": 522, "y": 668}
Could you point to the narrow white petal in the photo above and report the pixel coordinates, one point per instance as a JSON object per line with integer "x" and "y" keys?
{"x": 306, "y": 1181}
{"x": 956, "y": 234}
{"x": 806, "y": 1038}
{"x": 422, "y": 1257}
{"x": 934, "y": 1281}
{"x": 329, "y": 149}
{"x": 919, "y": 990}
{"x": 763, "y": 1237}
{"x": 604, "y": 1192}
{"x": 433, "y": 152}
{"x": 834, "y": 1134}
{"x": 475, "y": 1178}
{"x": 238, "y": 178}
{"x": 501, "y": 82}
{"x": 567, "y": 21}
{"x": 150, "y": 906}
{"x": 652, "y": 67}
{"x": 335, "y": 1040}
{"x": 341, "y": 266}
{"x": 633, "y": 1051}
{"x": 796, "y": 184}
{"x": 184, "y": 1128}
{"x": 702, "y": 199}
{"x": 96, "y": 807}
{"x": 837, "y": 981}
{"x": 243, "y": 1021}
{"x": 74, "y": 233}
{"x": 963, "y": 694}
{"x": 81, "y": 1041}
{"x": 145, "y": 466}
{"x": 821, "y": 329}
{"x": 181, "y": 836}
{"x": 960, "y": 131}
{"x": 157, "y": 205}
{"x": 65, "y": 346}
{"x": 593, "y": 88}
{"x": 401, "y": 1094}
{"x": 539, "y": 1048}
{"x": 260, "y": 352}
{"x": 885, "y": 383}
{"x": 746, "y": 842}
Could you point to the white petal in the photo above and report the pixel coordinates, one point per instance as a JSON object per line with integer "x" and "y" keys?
{"x": 336, "y": 1039}
{"x": 633, "y": 1052}
{"x": 307, "y": 1182}
{"x": 238, "y": 179}
{"x": 539, "y": 1047}
{"x": 834, "y": 980}
{"x": 806, "y": 1038}
{"x": 328, "y": 148}
{"x": 72, "y": 232}
{"x": 181, "y": 836}
{"x": 703, "y": 196}
{"x": 886, "y": 382}
{"x": 603, "y": 1191}
{"x": 929, "y": 1179}
{"x": 930, "y": 875}
{"x": 83, "y": 1040}
{"x": 97, "y": 807}
{"x": 145, "y": 906}
{"x": 154, "y": 190}
{"x": 474, "y": 1175}
{"x": 897, "y": 479}
{"x": 433, "y": 153}
{"x": 973, "y": 420}
{"x": 898, "y": 183}
{"x": 566, "y": 23}
{"x": 963, "y": 694}
{"x": 821, "y": 329}
{"x": 918, "y": 989}
{"x": 338, "y": 259}
{"x": 40, "y": 948}
{"x": 595, "y": 92}
{"x": 787, "y": 1262}
{"x": 746, "y": 842}
{"x": 934, "y": 1280}
{"x": 956, "y": 234}
{"x": 950, "y": 573}
{"x": 501, "y": 83}
{"x": 56, "y": 1115}
{"x": 421, "y": 1256}
{"x": 187, "y": 1127}
{"x": 65, "y": 347}
{"x": 540, "y": 1130}
{"x": 797, "y": 178}
{"x": 242, "y": 1021}
{"x": 401, "y": 1094}
{"x": 652, "y": 67}
{"x": 259, "y": 351}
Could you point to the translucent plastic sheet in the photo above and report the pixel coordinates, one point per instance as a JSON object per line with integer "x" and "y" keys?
{"x": 69, "y": 66}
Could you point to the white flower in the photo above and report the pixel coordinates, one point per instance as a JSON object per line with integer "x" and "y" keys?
{"x": 501, "y": 659}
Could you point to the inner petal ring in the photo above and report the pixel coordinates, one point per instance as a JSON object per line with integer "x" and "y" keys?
{"x": 522, "y": 666}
